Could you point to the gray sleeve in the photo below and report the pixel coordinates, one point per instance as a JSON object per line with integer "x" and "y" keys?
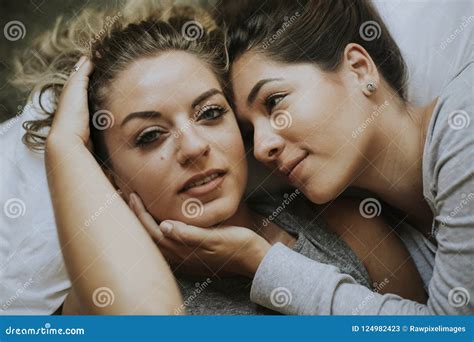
{"x": 293, "y": 284}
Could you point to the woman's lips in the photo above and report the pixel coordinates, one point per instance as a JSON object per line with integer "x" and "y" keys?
{"x": 295, "y": 174}
{"x": 203, "y": 189}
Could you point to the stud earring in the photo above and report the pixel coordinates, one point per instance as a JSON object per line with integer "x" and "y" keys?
{"x": 371, "y": 87}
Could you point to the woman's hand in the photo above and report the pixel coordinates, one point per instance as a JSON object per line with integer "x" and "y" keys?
{"x": 71, "y": 120}
{"x": 227, "y": 250}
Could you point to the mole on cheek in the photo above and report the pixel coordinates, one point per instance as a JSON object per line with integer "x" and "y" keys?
{"x": 161, "y": 158}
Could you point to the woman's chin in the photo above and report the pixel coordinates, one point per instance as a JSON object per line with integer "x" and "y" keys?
{"x": 211, "y": 214}
{"x": 319, "y": 194}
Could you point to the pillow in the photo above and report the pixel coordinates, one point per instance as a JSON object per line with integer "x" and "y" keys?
{"x": 435, "y": 38}
{"x": 33, "y": 278}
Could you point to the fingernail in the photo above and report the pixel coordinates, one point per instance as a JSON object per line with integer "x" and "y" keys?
{"x": 80, "y": 62}
{"x": 133, "y": 199}
{"x": 166, "y": 226}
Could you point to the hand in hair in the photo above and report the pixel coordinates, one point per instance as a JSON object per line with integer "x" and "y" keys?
{"x": 226, "y": 250}
{"x": 71, "y": 121}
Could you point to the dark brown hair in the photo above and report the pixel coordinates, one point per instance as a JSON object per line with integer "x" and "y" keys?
{"x": 315, "y": 31}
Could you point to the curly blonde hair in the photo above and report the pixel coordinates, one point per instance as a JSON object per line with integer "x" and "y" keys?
{"x": 111, "y": 39}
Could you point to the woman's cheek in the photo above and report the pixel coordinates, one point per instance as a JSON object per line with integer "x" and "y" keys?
{"x": 227, "y": 138}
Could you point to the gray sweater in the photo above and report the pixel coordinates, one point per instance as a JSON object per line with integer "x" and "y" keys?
{"x": 448, "y": 184}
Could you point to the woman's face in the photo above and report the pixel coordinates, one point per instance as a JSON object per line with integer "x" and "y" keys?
{"x": 304, "y": 122}
{"x": 175, "y": 140}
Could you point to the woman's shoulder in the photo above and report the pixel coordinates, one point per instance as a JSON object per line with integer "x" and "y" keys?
{"x": 448, "y": 158}
{"x": 453, "y": 111}
{"x": 451, "y": 129}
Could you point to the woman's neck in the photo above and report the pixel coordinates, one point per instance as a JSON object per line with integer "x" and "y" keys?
{"x": 245, "y": 217}
{"x": 394, "y": 170}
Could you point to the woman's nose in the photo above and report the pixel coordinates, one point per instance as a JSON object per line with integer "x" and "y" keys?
{"x": 267, "y": 145}
{"x": 191, "y": 147}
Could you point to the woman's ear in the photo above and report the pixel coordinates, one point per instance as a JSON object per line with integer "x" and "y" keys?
{"x": 359, "y": 63}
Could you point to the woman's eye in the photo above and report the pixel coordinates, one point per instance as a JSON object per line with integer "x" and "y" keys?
{"x": 273, "y": 100}
{"x": 211, "y": 113}
{"x": 148, "y": 137}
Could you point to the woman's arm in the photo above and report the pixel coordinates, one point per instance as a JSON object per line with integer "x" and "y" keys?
{"x": 114, "y": 266}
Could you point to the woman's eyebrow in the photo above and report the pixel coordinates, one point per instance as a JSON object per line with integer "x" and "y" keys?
{"x": 256, "y": 88}
{"x": 147, "y": 114}
{"x": 205, "y": 96}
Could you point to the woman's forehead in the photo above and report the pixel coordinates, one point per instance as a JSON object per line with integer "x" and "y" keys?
{"x": 171, "y": 78}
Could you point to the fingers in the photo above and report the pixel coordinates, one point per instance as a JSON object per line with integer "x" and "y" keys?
{"x": 75, "y": 90}
{"x": 79, "y": 77}
{"x": 71, "y": 118}
{"x": 82, "y": 69}
{"x": 145, "y": 218}
{"x": 190, "y": 235}
{"x": 175, "y": 230}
